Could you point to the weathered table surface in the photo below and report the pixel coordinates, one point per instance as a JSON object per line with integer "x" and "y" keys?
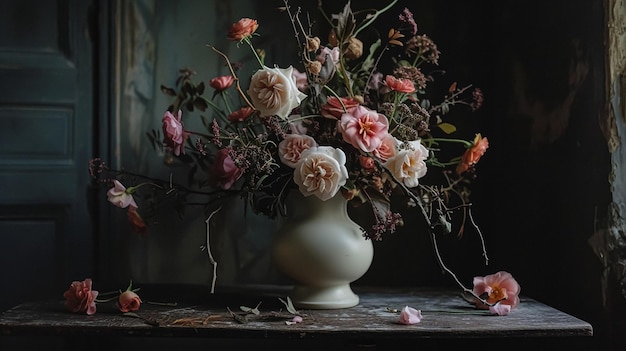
{"x": 446, "y": 315}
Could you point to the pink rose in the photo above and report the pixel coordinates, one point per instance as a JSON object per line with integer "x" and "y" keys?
{"x": 321, "y": 171}
{"x": 500, "y": 309}
{"x": 410, "y": 315}
{"x": 80, "y": 298}
{"x": 128, "y": 301}
{"x": 273, "y": 91}
{"x": 387, "y": 148}
{"x": 173, "y": 131}
{"x": 499, "y": 288}
{"x": 290, "y": 148}
{"x": 120, "y": 197}
{"x": 221, "y": 83}
{"x": 223, "y": 171}
{"x": 363, "y": 128}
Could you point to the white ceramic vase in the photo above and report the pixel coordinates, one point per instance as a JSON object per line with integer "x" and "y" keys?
{"x": 322, "y": 250}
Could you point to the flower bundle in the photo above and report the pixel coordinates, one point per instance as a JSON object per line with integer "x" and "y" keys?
{"x": 353, "y": 116}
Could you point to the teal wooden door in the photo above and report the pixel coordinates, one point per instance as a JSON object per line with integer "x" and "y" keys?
{"x": 46, "y": 113}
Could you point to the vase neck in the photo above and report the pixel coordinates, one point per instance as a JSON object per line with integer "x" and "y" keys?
{"x": 306, "y": 205}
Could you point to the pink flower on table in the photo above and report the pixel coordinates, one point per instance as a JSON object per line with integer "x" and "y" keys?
{"x": 128, "y": 301}
{"x": 363, "y": 128}
{"x": 119, "y": 196}
{"x": 174, "y": 134}
{"x": 290, "y": 149}
{"x": 410, "y": 315}
{"x": 499, "y": 288}
{"x": 221, "y": 83}
{"x": 335, "y": 108}
{"x": 223, "y": 172}
{"x": 80, "y": 297}
{"x": 500, "y": 309}
{"x": 399, "y": 84}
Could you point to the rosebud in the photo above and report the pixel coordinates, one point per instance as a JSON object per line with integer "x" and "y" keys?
{"x": 354, "y": 49}
{"x": 312, "y": 44}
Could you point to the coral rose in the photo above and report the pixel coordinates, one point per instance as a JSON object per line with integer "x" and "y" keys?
{"x": 80, "y": 297}
{"x": 335, "y": 107}
{"x": 274, "y": 91}
{"x": 128, "y": 301}
{"x": 221, "y": 83}
{"x": 473, "y": 154}
{"x": 242, "y": 29}
{"x": 399, "y": 84}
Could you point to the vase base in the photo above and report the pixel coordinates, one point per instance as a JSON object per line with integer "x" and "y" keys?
{"x": 322, "y": 298}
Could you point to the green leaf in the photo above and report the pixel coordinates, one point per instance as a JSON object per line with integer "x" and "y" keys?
{"x": 447, "y": 128}
{"x": 289, "y": 305}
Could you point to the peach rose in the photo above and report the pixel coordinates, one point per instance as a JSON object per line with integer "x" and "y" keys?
{"x": 80, "y": 297}
{"x": 128, "y": 301}
{"x": 242, "y": 29}
{"x": 321, "y": 171}
{"x": 274, "y": 91}
{"x": 387, "y": 148}
{"x": 290, "y": 148}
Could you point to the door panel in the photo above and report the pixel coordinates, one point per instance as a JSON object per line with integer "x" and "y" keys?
{"x": 46, "y": 111}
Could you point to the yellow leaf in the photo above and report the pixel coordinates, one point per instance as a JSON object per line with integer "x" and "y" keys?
{"x": 447, "y": 128}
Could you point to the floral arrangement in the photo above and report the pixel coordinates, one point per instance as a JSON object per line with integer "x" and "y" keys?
{"x": 355, "y": 115}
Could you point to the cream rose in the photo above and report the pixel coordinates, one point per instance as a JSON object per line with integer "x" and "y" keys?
{"x": 321, "y": 171}
{"x": 408, "y": 164}
{"x": 274, "y": 91}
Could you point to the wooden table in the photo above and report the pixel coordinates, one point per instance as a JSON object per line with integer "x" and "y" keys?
{"x": 201, "y": 319}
